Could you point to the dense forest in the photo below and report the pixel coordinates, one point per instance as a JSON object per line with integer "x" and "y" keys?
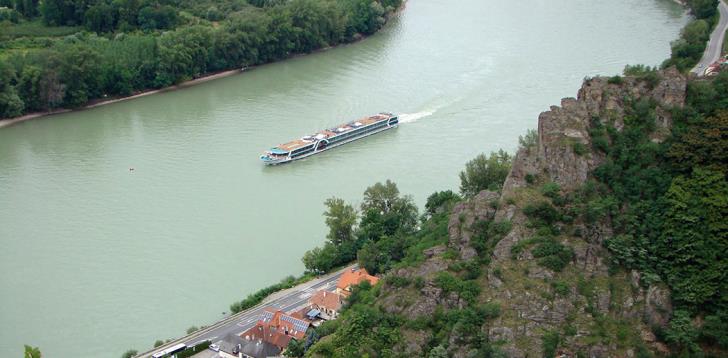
{"x": 61, "y": 53}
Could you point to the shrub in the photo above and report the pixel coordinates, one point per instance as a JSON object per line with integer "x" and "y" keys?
{"x": 549, "y": 343}
{"x": 398, "y": 281}
{"x": 528, "y": 141}
{"x": 551, "y": 190}
{"x": 561, "y": 288}
{"x": 542, "y": 211}
{"x": 579, "y": 148}
{"x": 615, "y": 80}
{"x": 553, "y": 255}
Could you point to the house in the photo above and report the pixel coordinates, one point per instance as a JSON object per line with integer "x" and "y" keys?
{"x": 329, "y": 303}
{"x": 277, "y": 328}
{"x": 353, "y": 278}
{"x": 234, "y": 346}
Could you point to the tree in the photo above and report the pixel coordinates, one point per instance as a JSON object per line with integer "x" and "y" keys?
{"x": 32, "y": 352}
{"x": 10, "y": 103}
{"x": 372, "y": 258}
{"x": 340, "y": 218}
{"x": 192, "y": 329}
{"x": 695, "y": 236}
{"x": 484, "y": 173}
{"x": 158, "y": 343}
{"x": 437, "y": 201}
{"x": 294, "y": 349}
{"x": 385, "y": 212}
{"x": 129, "y": 354}
{"x": 319, "y": 260}
{"x": 528, "y": 141}
{"x": 380, "y": 197}
{"x": 438, "y": 352}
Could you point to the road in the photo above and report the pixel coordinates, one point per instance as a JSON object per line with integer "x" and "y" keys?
{"x": 715, "y": 44}
{"x": 286, "y": 300}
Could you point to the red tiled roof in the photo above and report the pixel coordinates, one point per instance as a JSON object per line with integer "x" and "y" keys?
{"x": 355, "y": 277}
{"x": 277, "y": 328}
{"x": 328, "y": 300}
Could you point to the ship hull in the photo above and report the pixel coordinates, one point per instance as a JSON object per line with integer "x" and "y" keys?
{"x": 331, "y": 146}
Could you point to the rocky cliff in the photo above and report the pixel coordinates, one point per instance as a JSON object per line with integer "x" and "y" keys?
{"x": 584, "y": 307}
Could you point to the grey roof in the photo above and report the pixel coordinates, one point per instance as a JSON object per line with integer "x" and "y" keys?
{"x": 260, "y": 349}
{"x": 252, "y": 348}
{"x": 230, "y": 342}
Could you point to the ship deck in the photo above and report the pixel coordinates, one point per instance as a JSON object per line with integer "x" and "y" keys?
{"x": 328, "y": 133}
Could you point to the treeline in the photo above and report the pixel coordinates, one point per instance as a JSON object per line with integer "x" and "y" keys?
{"x": 127, "y": 50}
{"x": 689, "y": 48}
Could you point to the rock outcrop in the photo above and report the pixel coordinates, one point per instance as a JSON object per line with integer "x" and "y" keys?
{"x": 584, "y": 302}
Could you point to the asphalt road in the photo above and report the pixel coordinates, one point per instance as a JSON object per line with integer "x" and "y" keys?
{"x": 289, "y": 300}
{"x": 715, "y": 44}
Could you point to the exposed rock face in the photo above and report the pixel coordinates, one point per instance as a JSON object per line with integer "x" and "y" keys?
{"x": 482, "y": 207}
{"x": 530, "y": 303}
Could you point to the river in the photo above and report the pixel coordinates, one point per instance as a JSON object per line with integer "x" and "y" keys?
{"x": 97, "y": 258}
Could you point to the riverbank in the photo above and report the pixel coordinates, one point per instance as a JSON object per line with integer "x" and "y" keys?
{"x": 98, "y": 103}
{"x": 6, "y": 122}
{"x": 75, "y": 91}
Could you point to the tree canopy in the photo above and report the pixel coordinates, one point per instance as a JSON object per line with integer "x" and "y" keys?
{"x": 118, "y": 47}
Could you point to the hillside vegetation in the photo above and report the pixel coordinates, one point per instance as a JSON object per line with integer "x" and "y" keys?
{"x": 605, "y": 239}
{"x": 64, "y": 53}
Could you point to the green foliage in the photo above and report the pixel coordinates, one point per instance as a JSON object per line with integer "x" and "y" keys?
{"x": 668, "y": 206}
{"x": 542, "y": 212}
{"x": 579, "y": 148}
{"x": 485, "y": 173}
{"x": 145, "y": 44}
{"x": 440, "y": 201}
{"x": 398, "y": 281}
{"x": 10, "y": 103}
{"x": 438, "y": 352}
{"x": 128, "y": 354}
{"x": 295, "y": 349}
{"x": 486, "y": 234}
{"x": 615, "y": 80}
{"x": 549, "y": 343}
{"x": 551, "y": 190}
{"x": 553, "y": 255}
{"x": 158, "y": 343}
{"x": 681, "y": 332}
{"x": 646, "y": 74}
{"x": 34, "y": 352}
{"x": 561, "y": 288}
{"x": 257, "y": 297}
{"x": 192, "y": 329}
{"x": 466, "y": 289}
{"x": 528, "y": 141}
{"x": 687, "y": 51}
{"x": 340, "y": 218}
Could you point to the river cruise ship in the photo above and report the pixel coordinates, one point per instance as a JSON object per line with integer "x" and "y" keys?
{"x": 329, "y": 138}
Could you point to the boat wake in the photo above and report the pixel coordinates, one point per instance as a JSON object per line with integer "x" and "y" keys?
{"x": 413, "y": 117}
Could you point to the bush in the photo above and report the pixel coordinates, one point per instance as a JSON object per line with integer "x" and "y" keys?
{"x": 551, "y": 190}
{"x": 579, "y": 148}
{"x": 561, "y": 288}
{"x": 615, "y": 80}
{"x": 542, "y": 211}
{"x": 553, "y": 255}
{"x": 550, "y": 342}
{"x": 528, "y": 141}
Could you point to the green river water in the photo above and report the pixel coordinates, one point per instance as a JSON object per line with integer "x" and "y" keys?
{"x": 96, "y": 259}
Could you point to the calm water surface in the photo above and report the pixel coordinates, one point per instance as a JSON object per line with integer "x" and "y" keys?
{"x": 96, "y": 259}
